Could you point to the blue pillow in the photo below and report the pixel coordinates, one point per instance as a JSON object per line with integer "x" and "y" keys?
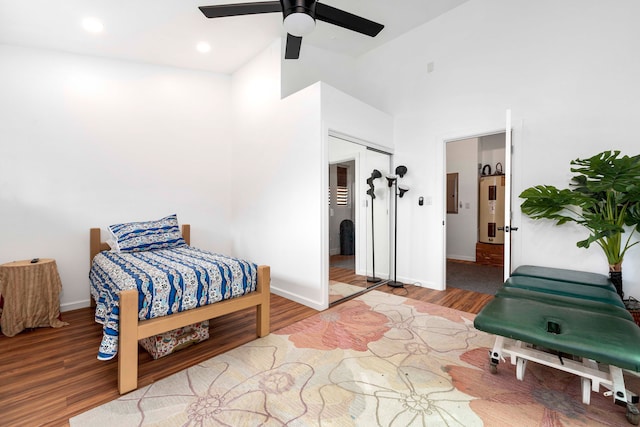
{"x": 147, "y": 235}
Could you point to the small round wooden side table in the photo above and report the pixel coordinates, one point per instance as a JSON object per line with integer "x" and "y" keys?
{"x": 31, "y": 293}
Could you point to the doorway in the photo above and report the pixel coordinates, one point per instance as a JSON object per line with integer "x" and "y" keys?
{"x": 475, "y": 220}
{"x": 342, "y": 218}
{"x": 358, "y": 223}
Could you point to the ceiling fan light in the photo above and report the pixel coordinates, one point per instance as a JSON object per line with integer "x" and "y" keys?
{"x": 203, "y": 47}
{"x": 299, "y": 24}
{"x": 92, "y": 25}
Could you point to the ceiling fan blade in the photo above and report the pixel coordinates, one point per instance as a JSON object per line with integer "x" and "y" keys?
{"x": 347, "y": 20}
{"x": 252, "y": 8}
{"x": 292, "y": 51}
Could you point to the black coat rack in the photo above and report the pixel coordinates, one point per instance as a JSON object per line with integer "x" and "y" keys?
{"x": 371, "y": 192}
{"x": 398, "y": 191}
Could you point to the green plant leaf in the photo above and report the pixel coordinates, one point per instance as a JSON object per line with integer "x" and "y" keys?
{"x": 604, "y": 198}
{"x": 547, "y": 202}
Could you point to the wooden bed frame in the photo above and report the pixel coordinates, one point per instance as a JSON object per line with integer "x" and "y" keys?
{"x": 131, "y": 329}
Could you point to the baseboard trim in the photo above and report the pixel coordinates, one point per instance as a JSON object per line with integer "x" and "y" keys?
{"x": 462, "y": 258}
{"x": 69, "y": 306}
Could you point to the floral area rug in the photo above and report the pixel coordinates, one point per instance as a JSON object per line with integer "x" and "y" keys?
{"x": 377, "y": 360}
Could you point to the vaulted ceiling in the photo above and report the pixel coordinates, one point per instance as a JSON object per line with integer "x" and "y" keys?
{"x": 167, "y": 31}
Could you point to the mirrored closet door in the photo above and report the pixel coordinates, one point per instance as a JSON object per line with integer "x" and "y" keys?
{"x": 359, "y": 229}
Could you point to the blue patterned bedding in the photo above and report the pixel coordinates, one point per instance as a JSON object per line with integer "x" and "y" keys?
{"x": 168, "y": 281}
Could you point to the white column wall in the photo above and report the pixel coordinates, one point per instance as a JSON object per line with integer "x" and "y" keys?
{"x": 281, "y": 157}
{"x": 277, "y": 179}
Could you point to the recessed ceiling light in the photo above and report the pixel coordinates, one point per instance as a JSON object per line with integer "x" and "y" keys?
{"x": 203, "y": 47}
{"x": 92, "y": 25}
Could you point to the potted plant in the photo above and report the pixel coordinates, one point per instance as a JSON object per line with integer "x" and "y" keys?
{"x": 604, "y": 198}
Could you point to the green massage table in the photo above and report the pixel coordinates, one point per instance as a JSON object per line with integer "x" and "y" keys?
{"x": 569, "y": 320}
{"x": 563, "y": 275}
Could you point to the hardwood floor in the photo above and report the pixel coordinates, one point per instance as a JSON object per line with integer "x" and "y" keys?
{"x": 346, "y": 275}
{"x": 49, "y": 375}
{"x": 341, "y": 270}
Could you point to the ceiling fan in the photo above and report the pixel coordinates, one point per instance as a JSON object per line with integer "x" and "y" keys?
{"x": 299, "y": 18}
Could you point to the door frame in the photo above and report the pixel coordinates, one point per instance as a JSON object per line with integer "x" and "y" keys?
{"x": 508, "y": 184}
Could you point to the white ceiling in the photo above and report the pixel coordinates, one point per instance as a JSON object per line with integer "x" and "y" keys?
{"x": 167, "y": 31}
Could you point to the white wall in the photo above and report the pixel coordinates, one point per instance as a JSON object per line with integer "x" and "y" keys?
{"x": 317, "y": 64}
{"x": 280, "y": 187}
{"x": 346, "y": 115}
{"x": 492, "y": 151}
{"x": 462, "y": 227}
{"x": 277, "y": 179}
{"x": 567, "y": 70}
{"x": 349, "y": 118}
{"x": 88, "y": 142}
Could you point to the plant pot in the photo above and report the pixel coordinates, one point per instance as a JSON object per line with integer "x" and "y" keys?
{"x": 616, "y": 279}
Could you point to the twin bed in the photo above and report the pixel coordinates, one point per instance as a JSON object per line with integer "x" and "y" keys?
{"x": 154, "y": 288}
{"x": 569, "y": 320}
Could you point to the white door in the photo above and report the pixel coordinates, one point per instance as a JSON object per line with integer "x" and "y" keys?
{"x": 508, "y": 229}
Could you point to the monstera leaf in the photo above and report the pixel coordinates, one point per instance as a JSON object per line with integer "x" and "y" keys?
{"x": 547, "y": 202}
{"x": 604, "y": 198}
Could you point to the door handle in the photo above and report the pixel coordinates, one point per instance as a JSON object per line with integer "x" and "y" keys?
{"x": 507, "y": 229}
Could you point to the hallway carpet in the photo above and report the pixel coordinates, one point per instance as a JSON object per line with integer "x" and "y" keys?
{"x": 485, "y": 279}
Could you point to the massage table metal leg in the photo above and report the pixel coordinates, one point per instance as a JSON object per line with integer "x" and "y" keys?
{"x": 587, "y": 384}
{"x": 617, "y": 386}
{"x": 521, "y": 366}
{"x": 586, "y": 390}
{"x": 622, "y": 396}
{"x": 519, "y": 362}
{"x": 496, "y": 354}
{"x": 633, "y": 414}
{"x": 592, "y": 376}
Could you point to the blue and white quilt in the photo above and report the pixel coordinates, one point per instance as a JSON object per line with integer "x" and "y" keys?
{"x": 168, "y": 281}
